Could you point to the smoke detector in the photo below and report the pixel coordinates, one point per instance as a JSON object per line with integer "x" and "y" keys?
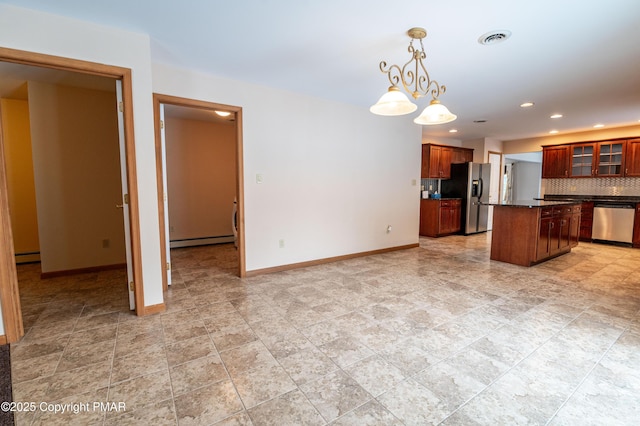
{"x": 494, "y": 37}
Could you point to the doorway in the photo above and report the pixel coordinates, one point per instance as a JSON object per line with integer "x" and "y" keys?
{"x": 9, "y": 292}
{"x": 199, "y": 109}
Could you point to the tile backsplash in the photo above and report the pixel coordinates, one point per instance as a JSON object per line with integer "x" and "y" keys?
{"x": 592, "y": 186}
{"x": 433, "y": 183}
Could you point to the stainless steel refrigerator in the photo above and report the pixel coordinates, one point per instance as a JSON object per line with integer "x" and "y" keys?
{"x": 470, "y": 181}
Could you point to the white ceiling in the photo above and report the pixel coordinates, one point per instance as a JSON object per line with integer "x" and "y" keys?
{"x": 580, "y": 58}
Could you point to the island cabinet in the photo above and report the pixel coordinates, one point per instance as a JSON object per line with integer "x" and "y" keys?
{"x": 437, "y": 160}
{"x": 558, "y": 231}
{"x": 527, "y": 234}
{"x": 440, "y": 217}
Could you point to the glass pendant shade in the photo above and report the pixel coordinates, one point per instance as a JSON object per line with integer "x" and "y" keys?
{"x": 394, "y": 102}
{"x": 435, "y": 113}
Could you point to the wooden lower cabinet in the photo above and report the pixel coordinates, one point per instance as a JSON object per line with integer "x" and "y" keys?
{"x": 440, "y": 217}
{"x": 529, "y": 235}
{"x": 576, "y": 223}
{"x": 586, "y": 221}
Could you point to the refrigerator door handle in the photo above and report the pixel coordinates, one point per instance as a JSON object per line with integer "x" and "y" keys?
{"x": 481, "y": 188}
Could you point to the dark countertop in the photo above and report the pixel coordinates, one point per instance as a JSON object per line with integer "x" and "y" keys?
{"x": 440, "y": 199}
{"x": 594, "y": 198}
{"x": 532, "y": 203}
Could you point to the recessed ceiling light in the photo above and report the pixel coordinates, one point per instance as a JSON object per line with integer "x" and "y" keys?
{"x": 453, "y": 131}
{"x": 553, "y": 132}
{"x": 527, "y": 105}
{"x": 494, "y": 37}
{"x": 556, "y": 116}
{"x": 597, "y": 126}
{"x": 223, "y": 113}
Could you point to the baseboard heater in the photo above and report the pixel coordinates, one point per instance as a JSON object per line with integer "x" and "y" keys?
{"x": 204, "y": 241}
{"x": 28, "y": 257}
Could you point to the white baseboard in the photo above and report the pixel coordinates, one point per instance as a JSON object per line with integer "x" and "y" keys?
{"x": 201, "y": 241}
{"x": 27, "y": 258}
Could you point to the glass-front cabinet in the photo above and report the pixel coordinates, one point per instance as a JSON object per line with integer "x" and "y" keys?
{"x": 597, "y": 159}
{"x": 582, "y": 157}
{"x": 610, "y": 159}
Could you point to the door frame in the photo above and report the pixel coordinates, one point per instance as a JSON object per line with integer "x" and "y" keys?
{"x": 9, "y": 294}
{"x": 499, "y": 154}
{"x": 210, "y": 106}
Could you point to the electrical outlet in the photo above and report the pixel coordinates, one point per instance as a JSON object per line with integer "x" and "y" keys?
{"x": 281, "y": 243}
{"x": 388, "y": 229}
{"x": 259, "y": 178}
{"x": 414, "y": 182}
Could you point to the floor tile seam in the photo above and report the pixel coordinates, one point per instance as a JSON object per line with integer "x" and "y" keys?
{"x": 66, "y": 346}
{"x": 488, "y": 386}
{"x": 584, "y": 379}
{"x": 113, "y": 358}
{"x": 244, "y": 408}
{"x": 327, "y": 422}
{"x": 171, "y": 390}
{"x": 297, "y": 388}
{"x": 377, "y": 399}
{"x": 373, "y": 398}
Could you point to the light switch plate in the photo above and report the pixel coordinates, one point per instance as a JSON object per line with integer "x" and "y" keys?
{"x": 259, "y": 178}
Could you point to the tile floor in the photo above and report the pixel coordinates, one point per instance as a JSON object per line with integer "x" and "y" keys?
{"x": 432, "y": 335}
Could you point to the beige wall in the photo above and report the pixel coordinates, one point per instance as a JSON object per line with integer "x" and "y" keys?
{"x": 21, "y": 187}
{"x": 201, "y": 178}
{"x": 77, "y": 176}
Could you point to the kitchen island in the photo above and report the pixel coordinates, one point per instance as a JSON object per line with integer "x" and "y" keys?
{"x": 529, "y": 232}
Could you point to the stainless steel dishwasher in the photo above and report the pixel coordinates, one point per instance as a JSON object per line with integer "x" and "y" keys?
{"x": 613, "y": 222}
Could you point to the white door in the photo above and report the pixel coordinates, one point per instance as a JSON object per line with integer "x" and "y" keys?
{"x": 163, "y": 149}
{"x": 495, "y": 159}
{"x": 125, "y": 194}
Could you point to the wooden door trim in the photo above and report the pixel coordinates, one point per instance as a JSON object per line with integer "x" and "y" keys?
{"x": 193, "y": 103}
{"x": 11, "y": 310}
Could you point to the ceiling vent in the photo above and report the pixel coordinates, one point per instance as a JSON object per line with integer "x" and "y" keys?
{"x": 494, "y": 37}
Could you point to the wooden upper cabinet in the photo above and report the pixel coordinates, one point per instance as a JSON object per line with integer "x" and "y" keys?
{"x": 583, "y": 157}
{"x": 610, "y": 160}
{"x": 555, "y": 161}
{"x": 462, "y": 155}
{"x": 632, "y": 158}
{"x": 437, "y": 160}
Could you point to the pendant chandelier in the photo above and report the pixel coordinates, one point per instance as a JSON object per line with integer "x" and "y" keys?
{"x": 415, "y": 80}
